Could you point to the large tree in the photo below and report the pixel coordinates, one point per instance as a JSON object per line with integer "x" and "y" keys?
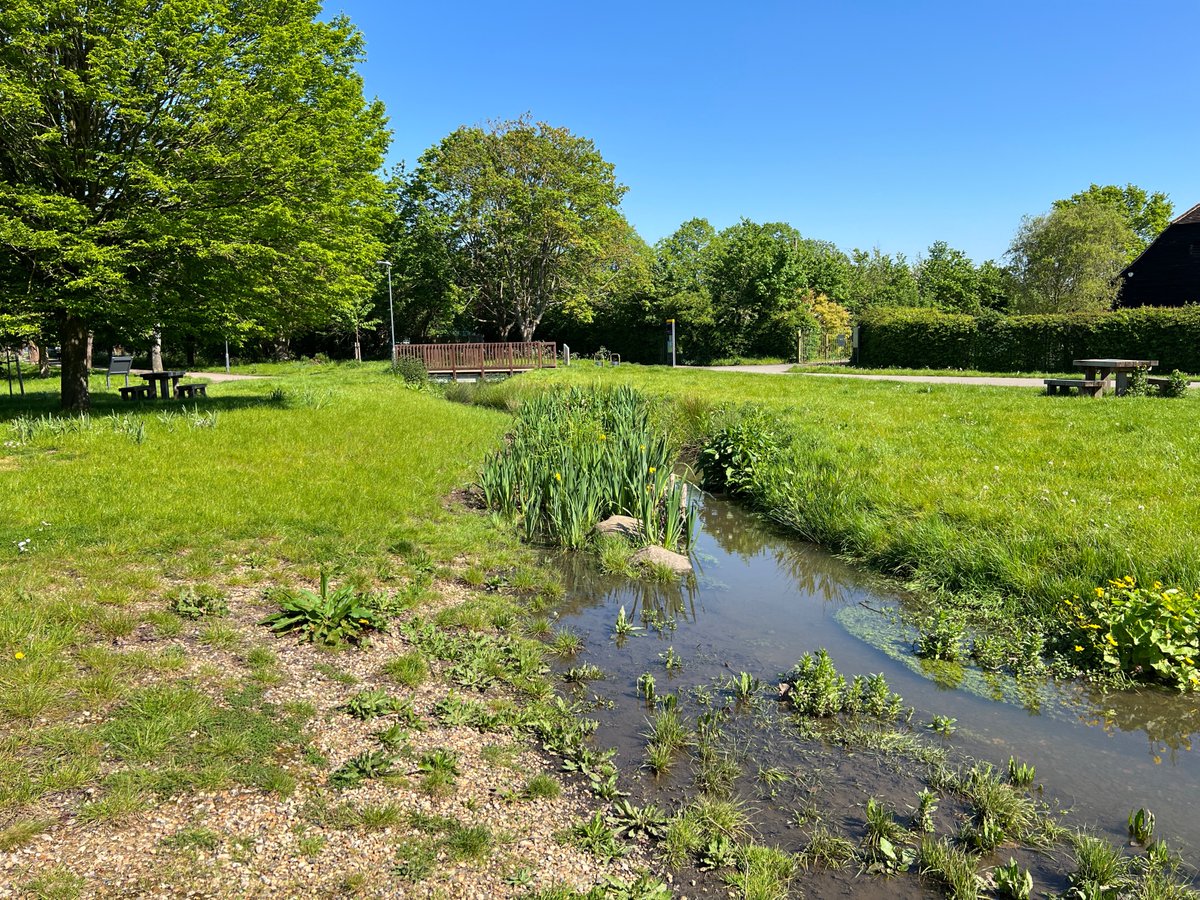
{"x": 1068, "y": 259}
{"x": 529, "y": 213}
{"x": 878, "y": 279}
{"x": 1146, "y": 214}
{"x": 205, "y": 161}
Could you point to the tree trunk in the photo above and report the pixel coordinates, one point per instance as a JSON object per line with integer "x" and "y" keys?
{"x": 156, "y": 364}
{"x": 75, "y": 341}
{"x": 357, "y": 346}
{"x": 40, "y": 355}
{"x": 191, "y": 353}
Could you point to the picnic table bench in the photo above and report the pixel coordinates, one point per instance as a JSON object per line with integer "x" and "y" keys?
{"x": 190, "y": 390}
{"x": 1099, "y": 376}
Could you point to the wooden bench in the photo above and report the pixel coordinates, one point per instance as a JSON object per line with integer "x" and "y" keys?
{"x": 137, "y": 392}
{"x": 118, "y": 365}
{"x": 190, "y": 390}
{"x": 1084, "y": 386}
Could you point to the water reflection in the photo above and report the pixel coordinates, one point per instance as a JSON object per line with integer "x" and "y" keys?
{"x": 760, "y": 600}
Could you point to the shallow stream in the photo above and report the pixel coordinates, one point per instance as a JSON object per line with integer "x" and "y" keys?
{"x": 762, "y": 600}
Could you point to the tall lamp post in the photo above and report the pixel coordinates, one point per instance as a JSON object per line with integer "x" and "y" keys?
{"x": 387, "y": 263}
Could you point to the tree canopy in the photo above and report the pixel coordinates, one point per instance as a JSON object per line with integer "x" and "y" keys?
{"x": 205, "y": 161}
{"x": 528, "y": 218}
{"x": 1068, "y": 259}
{"x": 1146, "y": 214}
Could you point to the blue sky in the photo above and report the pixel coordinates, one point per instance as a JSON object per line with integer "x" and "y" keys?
{"x": 866, "y": 124}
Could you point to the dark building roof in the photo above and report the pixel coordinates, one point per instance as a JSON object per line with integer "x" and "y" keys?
{"x": 1191, "y": 217}
{"x": 1167, "y": 273}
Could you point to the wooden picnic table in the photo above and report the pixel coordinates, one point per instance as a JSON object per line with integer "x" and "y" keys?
{"x": 158, "y": 383}
{"x": 1113, "y": 370}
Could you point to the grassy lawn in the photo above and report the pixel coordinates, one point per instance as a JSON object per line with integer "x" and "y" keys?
{"x": 973, "y": 488}
{"x": 833, "y": 369}
{"x": 178, "y": 740}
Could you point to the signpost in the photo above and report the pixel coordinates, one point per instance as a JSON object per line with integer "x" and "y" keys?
{"x": 671, "y": 340}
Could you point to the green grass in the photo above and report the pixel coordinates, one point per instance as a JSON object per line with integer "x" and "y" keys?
{"x": 985, "y": 489}
{"x": 957, "y": 373}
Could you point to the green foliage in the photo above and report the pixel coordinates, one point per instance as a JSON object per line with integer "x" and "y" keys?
{"x": 1147, "y": 215}
{"x": 1141, "y": 826}
{"x": 930, "y": 338}
{"x": 411, "y": 369}
{"x": 595, "y": 836}
{"x": 329, "y": 618}
{"x": 1013, "y": 882}
{"x": 647, "y": 821}
{"x": 1020, "y": 774}
{"x": 1150, "y": 634}
{"x": 198, "y": 109}
{"x": 525, "y": 199}
{"x": 813, "y": 687}
{"x": 740, "y": 451}
{"x": 1068, "y": 259}
{"x": 198, "y": 602}
{"x": 578, "y": 456}
{"x": 367, "y": 705}
{"x": 941, "y": 636}
{"x": 1177, "y": 385}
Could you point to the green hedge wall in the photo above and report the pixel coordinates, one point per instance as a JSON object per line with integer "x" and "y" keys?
{"x": 918, "y": 338}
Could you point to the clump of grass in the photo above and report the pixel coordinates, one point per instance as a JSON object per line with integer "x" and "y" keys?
{"x": 950, "y": 867}
{"x": 566, "y": 642}
{"x": 763, "y": 873}
{"x": 825, "y": 849}
{"x": 542, "y": 787}
{"x": 439, "y": 770}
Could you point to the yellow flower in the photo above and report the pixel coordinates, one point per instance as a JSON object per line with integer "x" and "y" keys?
{"x": 1158, "y": 585}
{"x": 642, "y": 447}
{"x": 604, "y": 437}
{"x": 362, "y": 621}
{"x": 1078, "y": 649}
{"x": 18, "y": 655}
{"x": 558, "y": 476}
{"x": 653, "y": 470}
{"x": 1099, "y": 592}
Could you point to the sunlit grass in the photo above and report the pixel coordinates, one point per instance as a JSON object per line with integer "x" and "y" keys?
{"x": 977, "y": 488}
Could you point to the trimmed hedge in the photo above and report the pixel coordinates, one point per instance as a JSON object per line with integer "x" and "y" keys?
{"x": 922, "y": 338}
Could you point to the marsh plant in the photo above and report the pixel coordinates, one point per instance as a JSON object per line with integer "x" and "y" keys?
{"x": 1020, "y": 774}
{"x": 577, "y": 456}
{"x": 1141, "y": 826}
{"x": 813, "y": 687}
{"x": 1013, "y": 882}
{"x": 1147, "y": 633}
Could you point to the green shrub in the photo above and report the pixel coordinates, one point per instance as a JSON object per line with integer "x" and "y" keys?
{"x": 1149, "y": 634}
{"x": 736, "y": 454}
{"x": 929, "y": 338}
{"x": 1177, "y": 385}
{"x": 412, "y": 370}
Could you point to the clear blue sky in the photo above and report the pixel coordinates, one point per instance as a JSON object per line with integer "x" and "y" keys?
{"x": 890, "y": 124}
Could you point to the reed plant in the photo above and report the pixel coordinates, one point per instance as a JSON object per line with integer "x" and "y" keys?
{"x": 577, "y": 456}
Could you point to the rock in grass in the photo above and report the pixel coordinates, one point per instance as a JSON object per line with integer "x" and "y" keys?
{"x": 661, "y": 556}
{"x": 622, "y": 526}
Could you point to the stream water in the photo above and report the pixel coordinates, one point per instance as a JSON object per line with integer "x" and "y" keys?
{"x": 761, "y": 600}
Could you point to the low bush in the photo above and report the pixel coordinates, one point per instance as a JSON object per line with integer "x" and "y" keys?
{"x": 1148, "y": 634}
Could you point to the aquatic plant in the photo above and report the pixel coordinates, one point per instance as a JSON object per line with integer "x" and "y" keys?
{"x": 1141, "y": 826}
{"x": 1020, "y": 774}
{"x": 1012, "y": 881}
{"x": 576, "y": 456}
{"x": 1150, "y": 634}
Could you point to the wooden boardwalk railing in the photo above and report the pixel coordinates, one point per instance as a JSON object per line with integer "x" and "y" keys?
{"x": 481, "y": 359}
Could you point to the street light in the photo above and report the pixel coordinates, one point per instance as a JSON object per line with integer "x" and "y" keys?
{"x": 391, "y": 314}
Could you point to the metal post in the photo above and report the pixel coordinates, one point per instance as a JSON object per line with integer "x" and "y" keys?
{"x": 800, "y": 346}
{"x": 227, "y": 356}
{"x": 391, "y": 310}
{"x": 671, "y": 341}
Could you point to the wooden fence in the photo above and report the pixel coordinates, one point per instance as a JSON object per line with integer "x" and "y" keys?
{"x": 481, "y": 359}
